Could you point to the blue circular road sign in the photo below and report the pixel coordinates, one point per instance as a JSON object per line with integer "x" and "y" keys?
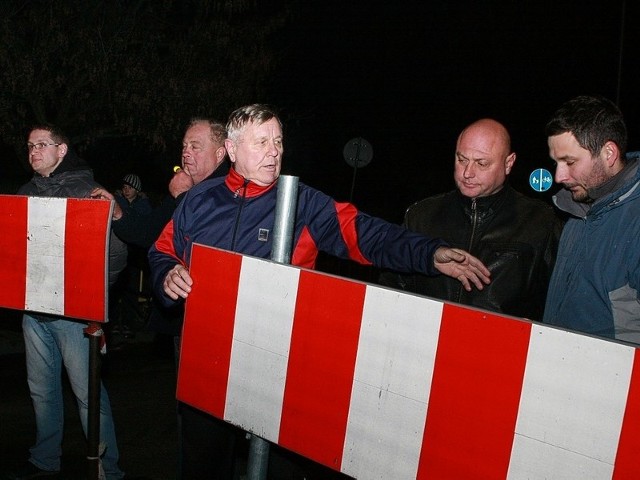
{"x": 541, "y": 180}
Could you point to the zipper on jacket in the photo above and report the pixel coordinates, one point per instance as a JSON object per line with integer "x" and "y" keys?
{"x": 474, "y": 224}
{"x": 240, "y": 207}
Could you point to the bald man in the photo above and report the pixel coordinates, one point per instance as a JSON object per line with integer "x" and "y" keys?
{"x": 515, "y": 236}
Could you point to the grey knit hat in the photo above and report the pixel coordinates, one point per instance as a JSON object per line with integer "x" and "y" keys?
{"x": 133, "y": 181}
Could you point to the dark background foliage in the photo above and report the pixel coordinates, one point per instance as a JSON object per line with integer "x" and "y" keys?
{"x": 124, "y": 76}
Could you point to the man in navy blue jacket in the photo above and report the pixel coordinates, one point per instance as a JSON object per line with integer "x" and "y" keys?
{"x": 237, "y": 213}
{"x": 203, "y": 158}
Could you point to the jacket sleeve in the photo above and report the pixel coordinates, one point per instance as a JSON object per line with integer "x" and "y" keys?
{"x": 143, "y": 229}
{"x": 342, "y": 230}
{"x": 551, "y": 250}
{"x": 391, "y": 246}
{"x": 163, "y": 255}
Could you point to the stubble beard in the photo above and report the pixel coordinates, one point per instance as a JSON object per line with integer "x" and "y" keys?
{"x": 597, "y": 177}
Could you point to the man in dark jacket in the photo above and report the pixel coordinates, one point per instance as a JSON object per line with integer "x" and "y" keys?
{"x": 237, "y": 213}
{"x": 51, "y": 342}
{"x": 515, "y": 236}
{"x": 203, "y": 158}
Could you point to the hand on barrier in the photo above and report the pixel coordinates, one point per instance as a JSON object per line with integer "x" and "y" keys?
{"x": 103, "y": 194}
{"x": 177, "y": 283}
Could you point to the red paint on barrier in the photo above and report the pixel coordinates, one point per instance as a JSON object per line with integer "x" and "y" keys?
{"x": 626, "y": 464}
{"x": 475, "y": 395}
{"x": 321, "y": 365}
{"x": 85, "y": 259}
{"x": 13, "y": 250}
{"x": 205, "y": 352}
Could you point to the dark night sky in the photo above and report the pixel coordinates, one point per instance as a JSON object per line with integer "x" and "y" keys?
{"x": 408, "y": 76}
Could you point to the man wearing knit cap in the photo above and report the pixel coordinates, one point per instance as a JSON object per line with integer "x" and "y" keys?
{"x": 131, "y": 195}
{"x": 130, "y": 199}
{"x": 133, "y": 181}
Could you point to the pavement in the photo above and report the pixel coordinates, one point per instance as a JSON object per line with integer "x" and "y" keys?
{"x": 139, "y": 374}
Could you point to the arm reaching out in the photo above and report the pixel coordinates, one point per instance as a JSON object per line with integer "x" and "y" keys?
{"x": 463, "y": 266}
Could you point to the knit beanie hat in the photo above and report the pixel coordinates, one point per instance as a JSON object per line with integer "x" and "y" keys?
{"x": 133, "y": 181}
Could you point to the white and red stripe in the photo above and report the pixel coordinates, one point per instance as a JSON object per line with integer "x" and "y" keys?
{"x": 381, "y": 384}
{"x": 53, "y": 254}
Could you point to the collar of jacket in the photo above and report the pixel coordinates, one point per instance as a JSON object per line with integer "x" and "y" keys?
{"x": 485, "y": 207}
{"x": 615, "y": 189}
{"x": 60, "y": 177}
{"x": 71, "y": 162}
{"x": 237, "y": 183}
{"x": 616, "y": 182}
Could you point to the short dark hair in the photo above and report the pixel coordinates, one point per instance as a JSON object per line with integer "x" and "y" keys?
{"x": 57, "y": 135}
{"x": 593, "y": 121}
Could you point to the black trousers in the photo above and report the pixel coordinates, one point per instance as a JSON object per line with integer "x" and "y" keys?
{"x": 214, "y": 449}
{"x": 208, "y": 446}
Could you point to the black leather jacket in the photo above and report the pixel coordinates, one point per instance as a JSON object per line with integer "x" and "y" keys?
{"x": 515, "y": 236}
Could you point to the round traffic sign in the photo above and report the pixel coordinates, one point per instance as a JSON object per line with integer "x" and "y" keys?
{"x": 358, "y": 152}
{"x": 541, "y": 180}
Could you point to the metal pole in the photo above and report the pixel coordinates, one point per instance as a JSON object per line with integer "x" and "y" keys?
{"x": 356, "y": 161}
{"x": 353, "y": 181}
{"x": 285, "y": 220}
{"x": 93, "y": 413}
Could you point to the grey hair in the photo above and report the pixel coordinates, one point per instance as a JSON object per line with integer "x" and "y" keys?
{"x": 257, "y": 113}
{"x": 218, "y": 130}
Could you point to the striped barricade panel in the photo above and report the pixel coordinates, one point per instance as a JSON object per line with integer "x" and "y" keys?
{"x": 382, "y": 384}
{"x": 54, "y": 255}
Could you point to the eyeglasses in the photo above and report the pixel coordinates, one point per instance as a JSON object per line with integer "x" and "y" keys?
{"x": 40, "y": 145}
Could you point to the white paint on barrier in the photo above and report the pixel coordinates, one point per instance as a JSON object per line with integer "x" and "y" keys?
{"x": 260, "y": 350}
{"x": 45, "y": 255}
{"x": 539, "y": 460}
{"x": 393, "y": 373}
{"x": 572, "y": 407}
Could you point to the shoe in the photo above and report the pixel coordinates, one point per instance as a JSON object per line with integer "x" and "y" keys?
{"x": 29, "y": 470}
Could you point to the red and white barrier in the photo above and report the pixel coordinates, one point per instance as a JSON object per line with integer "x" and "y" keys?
{"x": 53, "y": 255}
{"x": 381, "y": 384}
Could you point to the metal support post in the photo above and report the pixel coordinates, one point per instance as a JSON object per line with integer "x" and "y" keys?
{"x": 93, "y": 414}
{"x": 286, "y": 204}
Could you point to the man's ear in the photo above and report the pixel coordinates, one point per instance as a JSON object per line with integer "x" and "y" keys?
{"x": 231, "y": 149}
{"x": 610, "y": 153}
{"x": 508, "y": 164}
{"x": 220, "y": 154}
{"x": 63, "y": 148}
